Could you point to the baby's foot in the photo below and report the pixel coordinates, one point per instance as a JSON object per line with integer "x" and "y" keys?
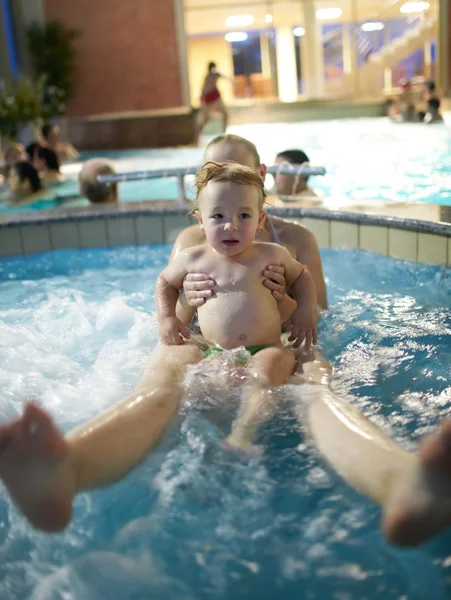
{"x": 420, "y": 505}
{"x": 242, "y": 447}
{"x": 34, "y": 467}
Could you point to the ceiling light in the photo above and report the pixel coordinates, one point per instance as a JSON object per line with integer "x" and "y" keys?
{"x": 298, "y": 31}
{"x": 239, "y": 21}
{"x": 372, "y": 26}
{"x": 236, "y": 36}
{"x": 414, "y": 7}
{"x": 323, "y": 14}
{"x": 268, "y": 18}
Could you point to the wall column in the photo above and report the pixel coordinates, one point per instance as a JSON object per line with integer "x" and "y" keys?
{"x": 286, "y": 65}
{"x": 312, "y": 53}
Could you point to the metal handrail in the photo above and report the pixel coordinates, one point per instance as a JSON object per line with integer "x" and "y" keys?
{"x": 304, "y": 170}
{"x": 285, "y": 169}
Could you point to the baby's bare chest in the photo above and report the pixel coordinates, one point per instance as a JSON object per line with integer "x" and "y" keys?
{"x": 236, "y": 276}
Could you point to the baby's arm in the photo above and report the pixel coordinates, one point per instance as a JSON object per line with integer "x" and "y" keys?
{"x": 303, "y": 319}
{"x": 287, "y": 306}
{"x": 167, "y": 288}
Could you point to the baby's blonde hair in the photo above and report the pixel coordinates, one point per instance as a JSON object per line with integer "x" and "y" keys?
{"x": 212, "y": 171}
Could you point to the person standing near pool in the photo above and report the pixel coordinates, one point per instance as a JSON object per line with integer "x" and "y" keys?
{"x": 210, "y": 100}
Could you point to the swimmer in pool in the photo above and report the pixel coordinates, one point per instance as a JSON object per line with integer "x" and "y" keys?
{"x": 229, "y": 207}
{"x": 291, "y": 185}
{"x": 433, "y": 114}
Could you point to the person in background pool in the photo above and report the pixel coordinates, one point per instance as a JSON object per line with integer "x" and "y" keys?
{"x": 210, "y": 100}
{"x": 64, "y": 151}
{"x": 392, "y": 110}
{"x": 21, "y": 176}
{"x": 428, "y": 92}
{"x": 43, "y": 470}
{"x": 45, "y": 161}
{"x": 293, "y": 185}
{"x": 433, "y": 114}
{"x": 95, "y": 191}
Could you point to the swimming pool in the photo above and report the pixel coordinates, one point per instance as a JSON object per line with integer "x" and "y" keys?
{"x": 366, "y": 159}
{"x": 193, "y": 521}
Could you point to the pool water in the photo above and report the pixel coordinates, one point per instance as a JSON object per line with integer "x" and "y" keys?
{"x": 366, "y": 159}
{"x": 194, "y": 521}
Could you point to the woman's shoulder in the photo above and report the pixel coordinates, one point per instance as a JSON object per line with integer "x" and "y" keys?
{"x": 189, "y": 237}
{"x": 291, "y": 229}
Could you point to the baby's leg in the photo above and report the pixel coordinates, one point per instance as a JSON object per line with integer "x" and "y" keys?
{"x": 269, "y": 368}
{"x": 43, "y": 471}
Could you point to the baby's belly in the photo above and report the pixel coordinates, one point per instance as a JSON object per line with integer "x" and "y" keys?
{"x": 236, "y": 319}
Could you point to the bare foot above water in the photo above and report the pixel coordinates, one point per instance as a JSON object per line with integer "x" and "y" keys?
{"x": 420, "y": 503}
{"x": 34, "y": 467}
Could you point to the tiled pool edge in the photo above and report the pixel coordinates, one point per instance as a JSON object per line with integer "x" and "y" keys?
{"x": 142, "y": 223}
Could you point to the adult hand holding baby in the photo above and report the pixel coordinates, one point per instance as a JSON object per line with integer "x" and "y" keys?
{"x": 198, "y": 287}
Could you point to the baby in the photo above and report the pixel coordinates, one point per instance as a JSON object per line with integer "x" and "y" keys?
{"x": 229, "y": 207}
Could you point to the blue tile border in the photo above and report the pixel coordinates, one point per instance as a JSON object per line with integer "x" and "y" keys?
{"x": 137, "y": 209}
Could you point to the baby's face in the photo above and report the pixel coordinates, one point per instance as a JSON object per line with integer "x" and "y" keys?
{"x": 230, "y": 216}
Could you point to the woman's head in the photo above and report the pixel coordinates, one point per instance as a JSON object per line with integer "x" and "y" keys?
{"x": 28, "y": 176}
{"x": 229, "y": 205}
{"x": 211, "y": 66}
{"x": 234, "y": 148}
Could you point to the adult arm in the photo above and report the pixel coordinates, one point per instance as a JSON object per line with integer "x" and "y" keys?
{"x": 197, "y": 287}
{"x": 169, "y": 282}
{"x": 303, "y": 319}
{"x": 304, "y": 242}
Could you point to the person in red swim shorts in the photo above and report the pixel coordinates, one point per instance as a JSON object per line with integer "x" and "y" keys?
{"x": 211, "y": 101}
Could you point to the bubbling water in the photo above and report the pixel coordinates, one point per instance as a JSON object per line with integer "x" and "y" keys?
{"x": 194, "y": 520}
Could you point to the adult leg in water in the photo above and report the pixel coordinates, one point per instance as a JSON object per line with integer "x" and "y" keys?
{"x": 413, "y": 490}
{"x": 43, "y": 470}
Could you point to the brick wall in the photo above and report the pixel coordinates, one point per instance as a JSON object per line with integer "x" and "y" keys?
{"x": 127, "y": 54}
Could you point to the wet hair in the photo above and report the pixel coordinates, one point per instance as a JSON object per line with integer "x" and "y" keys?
{"x": 95, "y": 191}
{"x": 47, "y": 155}
{"x": 27, "y": 172}
{"x": 50, "y": 158}
{"x": 211, "y": 65}
{"x": 239, "y": 174}
{"x": 47, "y": 130}
{"x": 433, "y": 104}
{"x": 294, "y": 157}
{"x": 230, "y": 138}
{"x": 32, "y": 149}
